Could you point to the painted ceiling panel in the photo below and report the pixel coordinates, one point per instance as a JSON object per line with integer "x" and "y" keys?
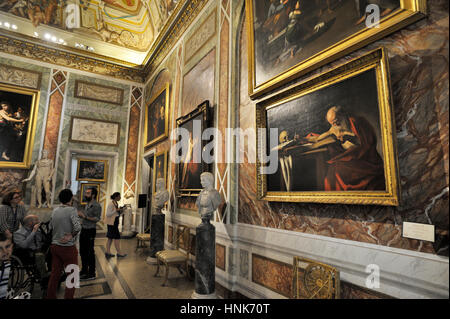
{"x": 123, "y": 30}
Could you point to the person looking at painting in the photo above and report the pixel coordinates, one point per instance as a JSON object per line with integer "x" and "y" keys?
{"x": 90, "y": 217}
{"x": 354, "y": 162}
{"x": 6, "y": 130}
{"x": 12, "y": 213}
{"x": 113, "y": 212}
{"x": 65, "y": 227}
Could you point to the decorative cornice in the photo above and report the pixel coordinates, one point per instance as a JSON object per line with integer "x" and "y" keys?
{"x": 177, "y": 24}
{"x": 54, "y": 56}
{"x": 182, "y": 22}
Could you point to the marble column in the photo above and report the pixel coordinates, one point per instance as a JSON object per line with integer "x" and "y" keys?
{"x": 205, "y": 263}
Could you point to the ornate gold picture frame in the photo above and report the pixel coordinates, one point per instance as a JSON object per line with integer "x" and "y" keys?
{"x": 156, "y": 126}
{"x": 192, "y": 165}
{"x": 285, "y": 42}
{"x": 335, "y": 138}
{"x": 18, "y": 116}
{"x": 92, "y": 170}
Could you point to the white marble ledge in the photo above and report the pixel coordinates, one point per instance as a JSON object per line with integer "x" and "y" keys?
{"x": 403, "y": 273}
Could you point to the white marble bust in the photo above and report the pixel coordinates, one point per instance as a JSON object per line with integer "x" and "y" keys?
{"x": 209, "y": 198}
{"x": 161, "y": 196}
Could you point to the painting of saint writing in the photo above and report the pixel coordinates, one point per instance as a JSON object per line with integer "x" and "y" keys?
{"x": 287, "y": 32}
{"x": 15, "y": 109}
{"x": 330, "y": 139}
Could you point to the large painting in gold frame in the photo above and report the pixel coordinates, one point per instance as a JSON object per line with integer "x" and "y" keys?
{"x": 157, "y": 117}
{"x": 285, "y": 42}
{"x": 335, "y": 140}
{"x": 17, "y": 138}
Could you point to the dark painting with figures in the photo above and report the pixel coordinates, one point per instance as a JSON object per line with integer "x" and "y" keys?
{"x": 92, "y": 170}
{"x": 15, "y": 113}
{"x": 287, "y": 32}
{"x": 157, "y": 122}
{"x": 190, "y": 167}
{"x": 330, "y": 139}
{"x": 191, "y": 149}
{"x": 160, "y": 168}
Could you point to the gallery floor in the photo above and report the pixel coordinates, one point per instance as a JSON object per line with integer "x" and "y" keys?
{"x": 130, "y": 277}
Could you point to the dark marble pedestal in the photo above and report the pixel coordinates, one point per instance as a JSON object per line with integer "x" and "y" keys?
{"x": 157, "y": 234}
{"x": 205, "y": 262}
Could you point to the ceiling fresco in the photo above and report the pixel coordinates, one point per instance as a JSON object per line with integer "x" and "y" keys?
{"x": 123, "y": 30}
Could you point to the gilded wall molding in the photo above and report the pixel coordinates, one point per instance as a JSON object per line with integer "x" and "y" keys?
{"x": 189, "y": 13}
{"x": 39, "y": 52}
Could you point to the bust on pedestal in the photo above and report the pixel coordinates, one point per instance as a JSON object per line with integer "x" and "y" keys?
{"x": 158, "y": 220}
{"x": 207, "y": 202}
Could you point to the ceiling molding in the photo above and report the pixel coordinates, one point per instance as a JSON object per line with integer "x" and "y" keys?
{"x": 42, "y": 53}
{"x": 25, "y": 46}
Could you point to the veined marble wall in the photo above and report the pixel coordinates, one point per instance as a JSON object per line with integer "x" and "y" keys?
{"x": 10, "y": 178}
{"x": 254, "y": 251}
{"x": 56, "y": 106}
{"x": 418, "y": 58}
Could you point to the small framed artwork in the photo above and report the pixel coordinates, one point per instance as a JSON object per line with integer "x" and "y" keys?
{"x": 289, "y": 38}
{"x": 84, "y": 188}
{"x": 192, "y": 163}
{"x": 157, "y": 117}
{"x": 92, "y": 170}
{"x": 18, "y": 115}
{"x": 331, "y": 139}
{"x": 160, "y": 168}
{"x": 94, "y": 131}
{"x": 99, "y": 93}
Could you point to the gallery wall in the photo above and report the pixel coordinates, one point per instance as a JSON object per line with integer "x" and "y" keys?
{"x": 257, "y": 239}
{"x": 58, "y": 104}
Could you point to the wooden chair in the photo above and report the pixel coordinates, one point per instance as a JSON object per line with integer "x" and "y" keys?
{"x": 142, "y": 238}
{"x": 175, "y": 257}
{"x": 315, "y": 280}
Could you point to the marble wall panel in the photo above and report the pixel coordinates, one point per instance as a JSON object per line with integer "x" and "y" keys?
{"x": 272, "y": 274}
{"x": 221, "y": 258}
{"x": 243, "y": 263}
{"x": 198, "y": 83}
{"x": 418, "y": 58}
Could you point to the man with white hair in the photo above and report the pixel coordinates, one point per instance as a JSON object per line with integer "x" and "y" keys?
{"x": 29, "y": 240}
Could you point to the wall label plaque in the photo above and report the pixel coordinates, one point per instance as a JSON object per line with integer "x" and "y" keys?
{"x": 418, "y": 231}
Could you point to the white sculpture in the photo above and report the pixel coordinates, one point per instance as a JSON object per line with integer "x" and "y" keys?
{"x": 160, "y": 197}
{"x": 209, "y": 198}
{"x": 44, "y": 171}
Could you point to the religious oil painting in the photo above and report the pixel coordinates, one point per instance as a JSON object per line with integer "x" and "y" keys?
{"x": 157, "y": 117}
{"x": 84, "y": 188}
{"x": 335, "y": 138}
{"x": 18, "y": 112}
{"x": 192, "y": 163}
{"x": 288, "y": 38}
{"x": 92, "y": 170}
{"x": 160, "y": 168}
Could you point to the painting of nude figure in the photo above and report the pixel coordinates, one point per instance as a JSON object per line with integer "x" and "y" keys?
{"x": 334, "y": 139}
{"x": 291, "y": 37}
